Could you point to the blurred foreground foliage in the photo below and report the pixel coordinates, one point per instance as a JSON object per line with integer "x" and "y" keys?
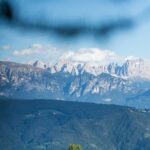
{"x": 75, "y": 147}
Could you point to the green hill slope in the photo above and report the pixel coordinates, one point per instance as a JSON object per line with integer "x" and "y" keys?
{"x": 53, "y": 125}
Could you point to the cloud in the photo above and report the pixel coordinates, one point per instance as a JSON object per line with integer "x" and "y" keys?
{"x": 26, "y": 52}
{"x": 92, "y": 56}
{"x": 45, "y": 53}
{"x": 37, "y": 46}
{"x": 131, "y": 58}
{"x": 48, "y": 53}
{"x": 6, "y": 59}
{"x": 34, "y": 49}
{"x": 5, "y": 47}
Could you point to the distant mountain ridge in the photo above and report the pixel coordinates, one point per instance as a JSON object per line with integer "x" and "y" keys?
{"x": 67, "y": 80}
{"x": 129, "y": 68}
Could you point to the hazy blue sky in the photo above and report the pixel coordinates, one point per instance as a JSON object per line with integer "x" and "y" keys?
{"x": 125, "y": 41}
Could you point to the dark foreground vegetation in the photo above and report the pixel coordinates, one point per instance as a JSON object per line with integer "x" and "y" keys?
{"x": 53, "y": 125}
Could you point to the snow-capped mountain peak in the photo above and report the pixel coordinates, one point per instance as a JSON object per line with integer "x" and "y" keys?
{"x": 76, "y": 82}
{"x": 130, "y": 68}
{"x": 136, "y": 68}
{"x": 39, "y": 64}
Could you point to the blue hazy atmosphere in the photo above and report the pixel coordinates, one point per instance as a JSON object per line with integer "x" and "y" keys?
{"x": 115, "y": 25}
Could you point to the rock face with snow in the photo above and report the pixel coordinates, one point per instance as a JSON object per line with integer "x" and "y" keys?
{"x": 136, "y": 68}
{"x": 39, "y": 64}
{"x": 133, "y": 68}
{"x": 70, "y": 80}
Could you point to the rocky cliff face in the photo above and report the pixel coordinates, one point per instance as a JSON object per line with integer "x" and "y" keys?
{"x": 66, "y": 80}
{"x": 129, "y": 68}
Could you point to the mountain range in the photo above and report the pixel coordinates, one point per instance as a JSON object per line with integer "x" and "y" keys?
{"x": 123, "y": 84}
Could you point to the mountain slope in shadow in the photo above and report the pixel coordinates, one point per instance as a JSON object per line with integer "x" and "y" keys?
{"x": 52, "y": 125}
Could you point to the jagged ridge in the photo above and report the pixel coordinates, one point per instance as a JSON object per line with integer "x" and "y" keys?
{"x": 74, "y": 83}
